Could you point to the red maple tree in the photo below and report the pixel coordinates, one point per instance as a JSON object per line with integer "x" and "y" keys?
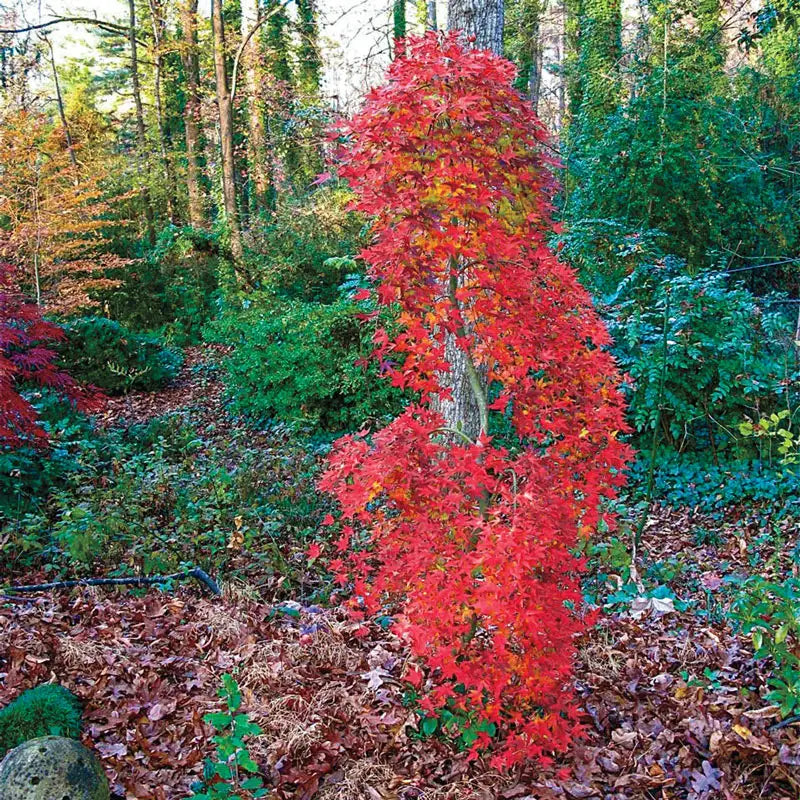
{"x": 26, "y": 356}
{"x": 470, "y": 543}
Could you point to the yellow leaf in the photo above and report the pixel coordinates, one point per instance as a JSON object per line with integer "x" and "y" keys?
{"x": 745, "y": 733}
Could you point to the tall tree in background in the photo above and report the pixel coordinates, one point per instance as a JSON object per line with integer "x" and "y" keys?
{"x": 399, "y": 23}
{"x": 225, "y": 108}
{"x": 141, "y": 135}
{"x": 257, "y": 157}
{"x": 309, "y": 61}
{"x": 481, "y": 21}
{"x": 594, "y": 53}
{"x": 524, "y": 45}
{"x": 689, "y": 32}
{"x": 600, "y": 52}
{"x": 54, "y": 215}
{"x": 158, "y": 21}
{"x": 191, "y": 113}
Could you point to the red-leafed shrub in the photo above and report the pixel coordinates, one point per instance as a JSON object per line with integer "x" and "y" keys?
{"x": 26, "y": 357}
{"x": 468, "y": 543}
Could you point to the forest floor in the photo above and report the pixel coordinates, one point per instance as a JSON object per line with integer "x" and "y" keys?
{"x": 673, "y": 699}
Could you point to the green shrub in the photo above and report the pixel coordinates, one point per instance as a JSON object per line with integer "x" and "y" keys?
{"x": 693, "y": 480}
{"x": 301, "y": 252}
{"x": 769, "y": 612}
{"x": 232, "y": 773}
{"x": 303, "y": 362}
{"x": 47, "y": 710}
{"x": 102, "y": 352}
{"x": 703, "y": 354}
{"x": 175, "y": 288}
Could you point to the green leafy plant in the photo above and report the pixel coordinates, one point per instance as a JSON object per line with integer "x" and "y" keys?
{"x": 696, "y": 480}
{"x": 458, "y": 726}
{"x": 232, "y": 773}
{"x": 692, "y": 378}
{"x": 175, "y": 287}
{"x": 776, "y": 430}
{"x": 769, "y": 612}
{"x": 46, "y": 710}
{"x": 106, "y": 354}
{"x": 304, "y": 363}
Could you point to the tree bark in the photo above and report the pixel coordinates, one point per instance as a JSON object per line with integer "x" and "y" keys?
{"x": 226, "y": 132}
{"x": 159, "y": 25}
{"x": 61, "y": 113}
{"x": 257, "y": 139}
{"x": 141, "y": 136}
{"x": 537, "y": 57}
{"x": 191, "y": 114}
{"x": 481, "y": 19}
{"x": 309, "y": 62}
{"x": 431, "y": 22}
{"x": 600, "y": 52}
{"x": 465, "y": 410}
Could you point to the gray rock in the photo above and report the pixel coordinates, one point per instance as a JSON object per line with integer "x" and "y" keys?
{"x": 52, "y": 768}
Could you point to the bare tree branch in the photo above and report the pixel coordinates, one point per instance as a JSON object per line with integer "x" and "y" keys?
{"x": 109, "y": 27}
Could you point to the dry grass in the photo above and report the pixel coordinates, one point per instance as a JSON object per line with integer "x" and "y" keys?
{"x": 328, "y": 649}
{"x": 289, "y": 725}
{"x": 80, "y": 653}
{"x": 270, "y": 663}
{"x": 240, "y": 593}
{"x": 364, "y": 779}
{"x": 222, "y": 621}
{"x": 598, "y": 655}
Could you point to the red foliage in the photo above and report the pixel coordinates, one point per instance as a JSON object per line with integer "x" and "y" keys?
{"x": 26, "y": 357}
{"x": 474, "y": 540}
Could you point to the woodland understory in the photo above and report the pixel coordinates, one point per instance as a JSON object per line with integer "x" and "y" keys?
{"x": 431, "y": 440}
{"x": 670, "y": 690}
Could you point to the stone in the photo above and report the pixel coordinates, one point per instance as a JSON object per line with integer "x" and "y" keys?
{"x": 52, "y": 768}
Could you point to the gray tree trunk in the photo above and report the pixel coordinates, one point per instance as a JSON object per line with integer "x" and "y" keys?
{"x": 141, "y": 135}
{"x": 226, "y": 132}
{"x": 259, "y": 177}
{"x": 430, "y": 22}
{"x": 159, "y": 25}
{"x": 61, "y": 112}
{"x": 482, "y": 19}
{"x": 191, "y": 113}
{"x": 465, "y": 411}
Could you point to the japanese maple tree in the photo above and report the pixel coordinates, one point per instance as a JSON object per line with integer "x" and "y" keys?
{"x": 469, "y": 542}
{"x": 27, "y": 357}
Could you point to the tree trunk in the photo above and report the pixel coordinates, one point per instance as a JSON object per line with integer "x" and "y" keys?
{"x": 225, "y": 131}
{"x": 309, "y": 63}
{"x": 481, "y": 19}
{"x": 431, "y": 22}
{"x": 61, "y": 113}
{"x": 537, "y": 57}
{"x": 141, "y": 136}
{"x": 465, "y": 410}
{"x": 257, "y": 139}
{"x": 573, "y": 86}
{"x": 191, "y": 114}
{"x": 399, "y": 19}
{"x": 159, "y": 25}
{"x": 600, "y": 47}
